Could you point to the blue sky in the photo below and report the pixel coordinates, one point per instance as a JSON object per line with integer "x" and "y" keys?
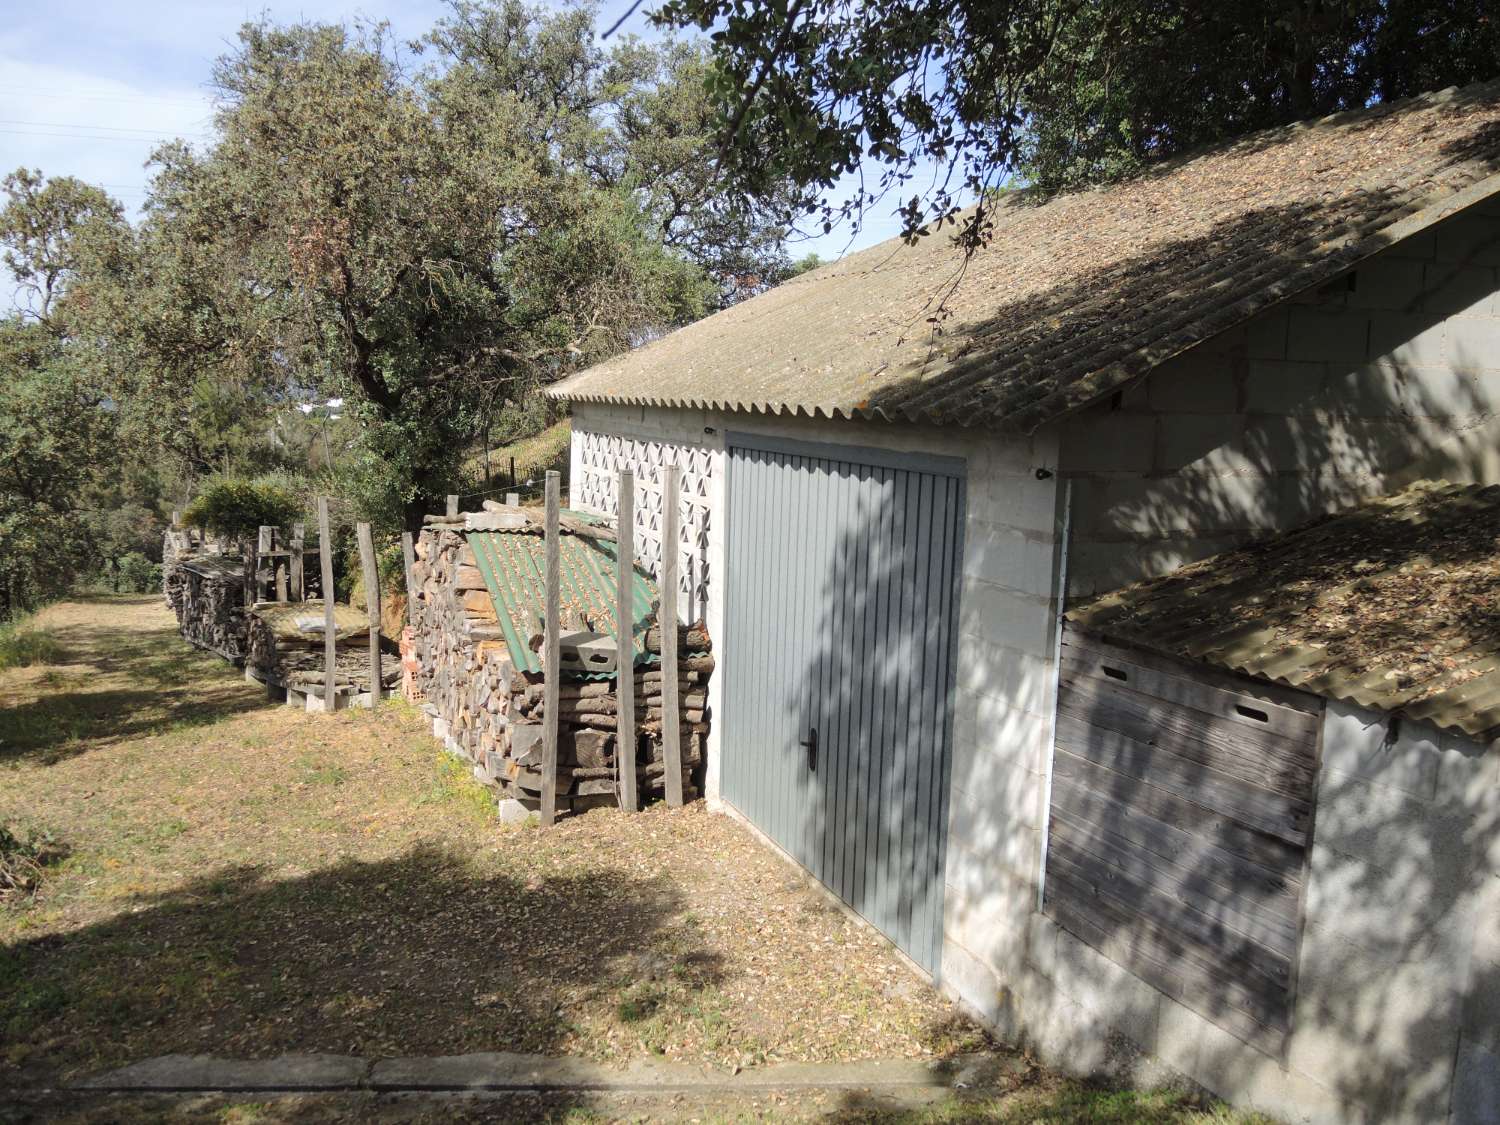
{"x": 88, "y": 87}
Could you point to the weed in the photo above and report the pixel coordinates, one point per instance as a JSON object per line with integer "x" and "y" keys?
{"x": 23, "y": 644}
{"x": 23, "y": 862}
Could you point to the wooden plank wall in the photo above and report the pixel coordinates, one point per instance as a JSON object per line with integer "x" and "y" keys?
{"x": 1180, "y": 822}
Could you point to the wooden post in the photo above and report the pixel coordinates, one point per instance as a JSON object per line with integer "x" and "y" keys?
{"x": 671, "y": 708}
{"x": 513, "y": 472}
{"x": 372, "y": 605}
{"x": 624, "y": 628}
{"x": 176, "y": 519}
{"x": 282, "y": 564}
{"x": 263, "y": 546}
{"x": 551, "y": 668}
{"x": 452, "y": 506}
{"x": 512, "y": 499}
{"x": 330, "y": 625}
{"x": 299, "y": 581}
{"x": 409, "y": 556}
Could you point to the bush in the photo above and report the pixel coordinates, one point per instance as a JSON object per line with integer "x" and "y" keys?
{"x": 21, "y": 644}
{"x": 237, "y": 508}
{"x": 24, "y": 862}
{"x": 138, "y": 574}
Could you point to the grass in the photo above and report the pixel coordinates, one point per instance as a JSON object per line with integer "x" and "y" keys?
{"x": 22, "y": 644}
{"x": 246, "y": 880}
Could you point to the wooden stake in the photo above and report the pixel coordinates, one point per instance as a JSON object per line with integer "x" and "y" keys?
{"x": 452, "y": 506}
{"x": 330, "y": 626}
{"x": 625, "y": 741}
{"x": 409, "y": 555}
{"x": 670, "y": 552}
{"x": 372, "y": 605}
{"x": 551, "y": 669}
{"x": 299, "y": 581}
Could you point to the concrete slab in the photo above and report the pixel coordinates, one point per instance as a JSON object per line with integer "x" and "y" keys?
{"x": 204, "y": 1072}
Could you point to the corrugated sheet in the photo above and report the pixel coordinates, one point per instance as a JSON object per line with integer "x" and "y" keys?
{"x": 1394, "y": 605}
{"x": 217, "y": 568}
{"x": 513, "y": 566}
{"x": 282, "y": 618}
{"x": 1076, "y": 297}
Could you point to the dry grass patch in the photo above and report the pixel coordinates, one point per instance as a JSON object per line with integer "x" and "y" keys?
{"x": 245, "y": 880}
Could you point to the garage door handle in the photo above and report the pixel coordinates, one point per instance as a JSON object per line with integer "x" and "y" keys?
{"x": 810, "y": 744}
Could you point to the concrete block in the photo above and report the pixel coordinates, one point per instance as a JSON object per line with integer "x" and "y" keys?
{"x": 998, "y": 671}
{"x": 1020, "y": 620}
{"x": 1388, "y": 283}
{"x": 1408, "y": 339}
{"x": 1196, "y": 439}
{"x": 1194, "y": 384}
{"x": 1008, "y": 557}
{"x": 1460, "y": 290}
{"x": 1384, "y": 1019}
{"x": 1367, "y": 390}
{"x": 1107, "y": 990}
{"x": 1358, "y": 741}
{"x": 1285, "y": 387}
{"x": 315, "y": 703}
{"x": 974, "y": 984}
{"x": 1420, "y": 247}
{"x": 996, "y": 840}
{"x": 1266, "y": 335}
{"x": 1476, "y": 1087}
{"x": 1468, "y": 777}
{"x": 1471, "y": 237}
{"x": 511, "y": 811}
{"x": 1335, "y": 335}
{"x": 1108, "y": 441}
{"x": 1473, "y": 343}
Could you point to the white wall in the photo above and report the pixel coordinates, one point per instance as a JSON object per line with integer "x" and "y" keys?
{"x": 1342, "y": 394}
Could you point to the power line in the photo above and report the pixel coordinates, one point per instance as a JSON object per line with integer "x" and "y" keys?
{"x": 70, "y": 95}
{"x": 80, "y": 125}
{"x": 100, "y": 137}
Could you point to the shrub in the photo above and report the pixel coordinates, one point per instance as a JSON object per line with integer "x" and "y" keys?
{"x": 20, "y": 865}
{"x": 237, "y": 508}
{"x": 138, "y": 574}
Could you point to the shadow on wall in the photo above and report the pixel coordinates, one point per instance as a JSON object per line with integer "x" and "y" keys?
{"x": 415, "y": 955}
{"x": 1402, "y": 874}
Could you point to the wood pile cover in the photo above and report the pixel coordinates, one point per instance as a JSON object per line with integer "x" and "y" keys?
{"x": 480, "y": 678}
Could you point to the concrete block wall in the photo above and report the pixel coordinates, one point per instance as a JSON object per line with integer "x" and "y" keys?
{"x": 1377, "y": 380}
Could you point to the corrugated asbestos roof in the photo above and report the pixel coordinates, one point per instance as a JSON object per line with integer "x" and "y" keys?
{"x": 283, "y": 620}
{"x": 1393, "y": 605}
{"x": 513, "y": 565}
{"x": 1078, "y": 296}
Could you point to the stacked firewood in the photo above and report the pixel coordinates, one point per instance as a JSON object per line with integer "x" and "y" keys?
{"x": 298, "y": 661}
{"x": 208, "y": 593}
{"x": 490, "y": 712}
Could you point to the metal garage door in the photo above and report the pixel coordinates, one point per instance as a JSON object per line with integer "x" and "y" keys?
{"x": 842, "y": 575}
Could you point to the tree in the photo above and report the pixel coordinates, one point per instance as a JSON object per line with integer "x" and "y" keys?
{"x": 50, "y": 228}
{"x": 1064, "y": 92}
{"x": 53, "y": 432}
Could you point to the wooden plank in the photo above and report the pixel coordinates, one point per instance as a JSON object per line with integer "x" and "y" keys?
{"x": 265, "y": 542}
{"x": 1270, "y": 922}
{"x": 624, "y": 629}
{"x": 1258, "y": 1020}
{"x": 1213, "y": 945}
{"x": 451, "y": 508}
{"x": 330, "y": 626}
{"x": 1184, "y": 843}
{"x": 671, "y": 703}
{"x": 1095, "y": 660}
{"x": 1257, "y": 757}
{"x": 372, "y": 604}
{"x": 1280, "y": 694}
{"x": 1119, "y": 717}
{"x": 551, "y": 671}
{"x": 409, "y": 559}
{"x": 1264, "y": 811}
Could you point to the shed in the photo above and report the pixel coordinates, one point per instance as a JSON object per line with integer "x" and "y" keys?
{"x": 892, "y": 486}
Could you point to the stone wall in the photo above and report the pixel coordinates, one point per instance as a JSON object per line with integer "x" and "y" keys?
{"x": 1386, "y": 377}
